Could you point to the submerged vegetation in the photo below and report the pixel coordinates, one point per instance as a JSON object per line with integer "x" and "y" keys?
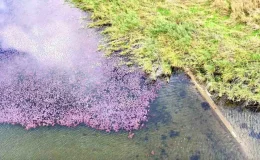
{"x": 218, "y": 40}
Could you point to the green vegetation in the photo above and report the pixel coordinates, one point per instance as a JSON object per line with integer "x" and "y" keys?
{"x": 158, "y": 35}
{"x": 246, "y": 11}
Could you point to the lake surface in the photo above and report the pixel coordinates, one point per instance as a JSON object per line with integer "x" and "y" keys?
{"x": 178, "y": 128}
{"x": 43, "y": 43}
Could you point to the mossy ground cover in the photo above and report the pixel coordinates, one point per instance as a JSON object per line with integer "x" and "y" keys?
{"x": 161, "y": 35}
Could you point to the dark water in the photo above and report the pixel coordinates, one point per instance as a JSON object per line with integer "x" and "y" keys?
{"x": 180, "y": 124}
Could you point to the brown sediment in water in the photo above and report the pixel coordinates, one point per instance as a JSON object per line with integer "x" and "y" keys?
{"x": 204, "y": 93}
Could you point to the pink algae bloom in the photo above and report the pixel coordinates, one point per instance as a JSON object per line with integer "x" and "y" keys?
{"x": 41, "y": 96}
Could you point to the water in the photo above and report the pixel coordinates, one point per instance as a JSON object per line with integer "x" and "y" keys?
{"x": 246, "y": 125}
{"x": 178, "y": 128}
{"x": 51, "y": 73}
{"x": 44, "y": 42}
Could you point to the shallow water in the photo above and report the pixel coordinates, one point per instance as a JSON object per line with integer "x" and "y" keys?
{"x": 178, "y": 128}
{"x": 181, "y": 125}
{"x": 246, "y": 125}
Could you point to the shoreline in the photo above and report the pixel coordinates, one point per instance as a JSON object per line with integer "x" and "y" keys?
{"x": 216, "y": 110}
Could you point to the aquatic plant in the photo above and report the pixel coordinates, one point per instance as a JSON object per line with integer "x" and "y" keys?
{"x": 40, "y": 96}
{"x": 173, "y": 133}
{"x": 160, "y": 35}
{"x": 51, "y": 72}
{"x": 205, "y": 105}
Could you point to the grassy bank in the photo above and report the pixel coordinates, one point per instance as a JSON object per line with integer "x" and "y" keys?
{"x": 245, "y": 11}
{"x": 221, "y": 51}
